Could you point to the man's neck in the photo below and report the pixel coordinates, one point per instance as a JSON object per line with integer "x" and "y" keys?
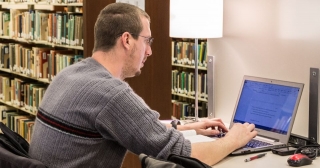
{"x": 111, "y": 61}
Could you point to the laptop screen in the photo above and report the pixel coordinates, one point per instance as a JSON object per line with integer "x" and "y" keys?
{"x": 267, "y": 105}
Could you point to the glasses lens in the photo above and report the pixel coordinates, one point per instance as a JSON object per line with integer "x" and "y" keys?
{"x": 150, "y": 40}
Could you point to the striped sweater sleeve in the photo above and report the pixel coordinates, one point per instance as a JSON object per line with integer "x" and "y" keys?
{"x": 127, "y": 119}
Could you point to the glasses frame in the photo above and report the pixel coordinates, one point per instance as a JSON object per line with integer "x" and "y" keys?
{"x": 149, "y": 40}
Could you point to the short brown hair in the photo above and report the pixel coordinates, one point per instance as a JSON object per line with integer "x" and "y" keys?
{"x": 115, "y": 19}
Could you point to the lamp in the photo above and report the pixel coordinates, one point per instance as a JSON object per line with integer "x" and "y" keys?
{"x": 196, "y": 19}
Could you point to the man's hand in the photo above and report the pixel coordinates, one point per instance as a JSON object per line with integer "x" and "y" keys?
{"x": 242, "y": 133}
{"x": 206, "y": 126}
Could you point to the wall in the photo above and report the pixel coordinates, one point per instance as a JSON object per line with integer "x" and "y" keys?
{"x": 277, "y": 39}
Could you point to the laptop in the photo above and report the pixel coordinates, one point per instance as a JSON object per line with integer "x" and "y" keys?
{"x": 272, "y": 106}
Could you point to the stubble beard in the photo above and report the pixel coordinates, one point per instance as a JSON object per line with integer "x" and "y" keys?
{"x": 129, "y": 69}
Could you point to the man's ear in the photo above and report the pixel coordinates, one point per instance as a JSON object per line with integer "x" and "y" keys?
{"x": 125, "y": 39}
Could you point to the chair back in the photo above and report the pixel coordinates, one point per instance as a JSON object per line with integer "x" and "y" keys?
{"x": 14, "y": 150}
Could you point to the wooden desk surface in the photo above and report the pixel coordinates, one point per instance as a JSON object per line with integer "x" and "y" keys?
{"x": 269, "y": 161}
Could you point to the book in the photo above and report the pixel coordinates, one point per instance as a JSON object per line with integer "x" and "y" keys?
{"x": 5, "y": 115}
{"x": 39, "y": 60}
{"x": 29, "y": 63}
{"x": 21, "y": 125}
{"x": 54, "y": 27}
{"x": 41, "y": 94}
{"x": 176, "y": 109}
{"x": 68, "y": 60}
{"x": 11, "y": 56}
{"x": 26, "y": 96}
{"x": 50, "y": 27}
{"x": 33, "y": 96}
{"x": 43, "y": 63}
{"x": 71, "y": 22}
{"x": 32, "y": 24}
{"x": 3, "y": 110}
{"x": 28, "y": 127}
{"x": 44, "y": 26}
{"x": 20, "y": 91}
{"x": 15, "y": 122}
{"x": 1, "y": 23}
{"x": 6, "y": 23}
{"x": 78, "y": 30}
{"x": 64, "y": 35}
{"x": 14, "y": 23}
{"x": 25, "y": 56}
{"x": 6, "y": 88}
{"x": 59, "y": 27}
{"x": 174, "y": 81}
{"x": 184, "y": 110}
{"x": 4, "y": 55}
{"x": 9, "y": 119}
{"x": 16, "y": 57}
{"x": 204, "y": 57}
{"x": 19, "y": 18}
{"x": 52, "y": 62}
{"x": 74, "y": 24}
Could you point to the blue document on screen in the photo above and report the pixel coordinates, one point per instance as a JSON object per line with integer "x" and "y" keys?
{"x": 272, "y": 106}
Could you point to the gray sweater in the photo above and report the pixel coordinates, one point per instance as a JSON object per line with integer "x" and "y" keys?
{"x": 87, "y": 118}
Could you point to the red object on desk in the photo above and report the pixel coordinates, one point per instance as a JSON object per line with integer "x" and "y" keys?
{"x": 299, "y": 159}
{"x": 255, "y": 157}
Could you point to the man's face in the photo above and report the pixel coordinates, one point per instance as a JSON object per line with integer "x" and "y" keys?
{"x": 139, "y": 53}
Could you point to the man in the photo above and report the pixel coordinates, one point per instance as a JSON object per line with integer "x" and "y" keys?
{"x": 90, "y": 117}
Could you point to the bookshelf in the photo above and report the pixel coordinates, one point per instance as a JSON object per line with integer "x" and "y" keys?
{"x": 153, "y": 85}
{"x": 183, "y": 78}
{"x": 34, "y": 46}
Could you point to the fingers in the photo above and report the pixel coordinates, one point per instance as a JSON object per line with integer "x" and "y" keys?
{"x": 216, "y": 119}
{"x": 211, "y": 119}
{"x": 250, "y": 126}
{"x": 213, "y": 128}
{"x": 208, "y": 132}
{"x": 217, "y": 125}
{"x": 209, "y": 127}
{"x": 250, "y": 129}
{"x": 245, "y": 128}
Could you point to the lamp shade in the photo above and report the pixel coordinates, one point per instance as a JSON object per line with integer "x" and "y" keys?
{"x": 196, "y": 18}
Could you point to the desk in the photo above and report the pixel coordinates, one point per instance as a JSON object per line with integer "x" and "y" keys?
{"x": 269, "y": 161}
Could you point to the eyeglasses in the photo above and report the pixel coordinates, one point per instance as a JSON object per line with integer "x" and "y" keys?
{"x": 149, "y": 40}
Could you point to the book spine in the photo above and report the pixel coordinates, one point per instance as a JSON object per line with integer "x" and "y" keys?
{"x": 59, "y": 28}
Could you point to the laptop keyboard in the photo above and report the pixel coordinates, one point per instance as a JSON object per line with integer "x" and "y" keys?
{"x": 253, "y": 143}
{"x": 256, "y": 143}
